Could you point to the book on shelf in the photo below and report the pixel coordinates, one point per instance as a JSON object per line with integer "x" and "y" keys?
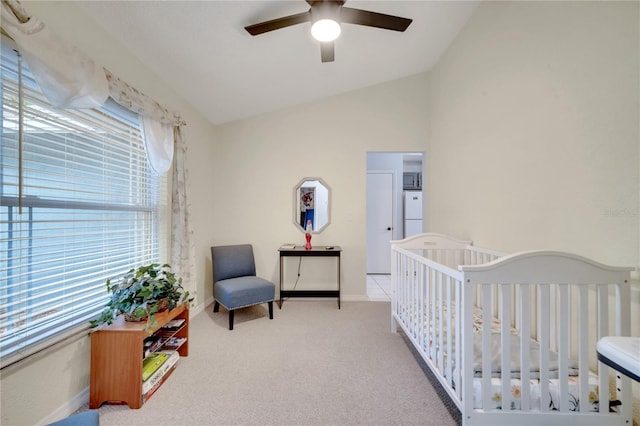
{"x": 173, "y": 343}
{"x": 146, "y": 396}
{"x": 173, "y": 324}
{"x": 151, "y": 363}
{"x": 151, "y": 345}
{"x": 287, "y": 246}
{"x": 157, "y": 376}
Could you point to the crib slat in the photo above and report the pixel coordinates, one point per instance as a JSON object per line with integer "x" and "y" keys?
{"x": 433, "y": 310}
{"x": 553, "y": 319}
{"x": 603, "y": 330}
{"x": 623, "y": 328}
{"x": 563, "y": 346}
{"x": 486, "y": 345}
{"x": 466, "y": 373}
{"x": 505, "y": 345}
{"x": 458, "y": 342}
{"x": 442, "y": 321}
{"x": 543, "y": 338}
{"x": 450, "y": 309}
{"x": 401, "y": 283}
{"x": 419, "y": 308}
{"x": 583, "y": 345}
{"x": 419, "y": 288}
{"x": 525, "y": 332}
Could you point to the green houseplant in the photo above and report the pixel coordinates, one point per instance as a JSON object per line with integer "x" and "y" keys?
{"x": 143, "y": 292}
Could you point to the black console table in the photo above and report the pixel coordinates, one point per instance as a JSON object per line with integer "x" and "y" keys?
{"x": 316, "y": 251}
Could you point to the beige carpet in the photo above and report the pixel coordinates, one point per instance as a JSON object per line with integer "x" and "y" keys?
{"x": 312, "y": 365}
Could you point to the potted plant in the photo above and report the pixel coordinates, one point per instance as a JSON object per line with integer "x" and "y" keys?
{"x": 143, "y": 292}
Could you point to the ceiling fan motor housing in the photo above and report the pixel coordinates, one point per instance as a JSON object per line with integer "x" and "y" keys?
{"x": 326, "y": 10}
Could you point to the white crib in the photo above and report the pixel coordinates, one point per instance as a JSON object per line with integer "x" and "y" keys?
{"x": 512, "y": 338}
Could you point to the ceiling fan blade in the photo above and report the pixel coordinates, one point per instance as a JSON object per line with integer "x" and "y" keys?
{"x": 276, "y": 24}
{"x": 374, "y": 19}
{"x": 327, "y": 51}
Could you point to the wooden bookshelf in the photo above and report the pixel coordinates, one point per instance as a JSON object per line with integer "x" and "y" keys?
{"x": 117, "y": 352}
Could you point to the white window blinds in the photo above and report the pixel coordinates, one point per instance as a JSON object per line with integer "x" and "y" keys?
{"x": 90, "y": 210}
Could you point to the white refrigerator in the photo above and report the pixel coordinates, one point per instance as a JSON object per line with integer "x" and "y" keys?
{"x": 412, "y": 213}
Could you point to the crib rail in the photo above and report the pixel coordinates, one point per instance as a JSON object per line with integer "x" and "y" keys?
{"x": 427, "y": 290}
{"x": 555, "y": 296}
{"x": 552, "y": 306}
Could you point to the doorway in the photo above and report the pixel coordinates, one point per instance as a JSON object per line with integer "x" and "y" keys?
{"x": 385, "y": 212}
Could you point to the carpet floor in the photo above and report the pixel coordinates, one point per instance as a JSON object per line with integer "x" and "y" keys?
{"x": 313, "y": 364}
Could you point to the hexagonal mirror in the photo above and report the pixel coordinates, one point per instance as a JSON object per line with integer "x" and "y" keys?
{"x": 311, "y": 205}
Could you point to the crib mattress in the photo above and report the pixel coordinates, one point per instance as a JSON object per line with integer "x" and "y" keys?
{"x": 515, "y": 382}
{"x": 534, "y": 386}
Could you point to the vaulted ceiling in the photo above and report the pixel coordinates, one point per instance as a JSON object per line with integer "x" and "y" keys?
{"x": 200, "y": 49}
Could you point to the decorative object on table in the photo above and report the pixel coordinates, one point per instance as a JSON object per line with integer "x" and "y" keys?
{"x": 307, "y": 235}
{"x": 143, "y": 292}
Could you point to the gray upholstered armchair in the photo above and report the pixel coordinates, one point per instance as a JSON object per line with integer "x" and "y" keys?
{"x": 235, "y": 284}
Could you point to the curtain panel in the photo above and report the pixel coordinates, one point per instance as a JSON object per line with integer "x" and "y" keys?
{"x": 67, "y": 77}
{"x": 157, "y": 122}
{"x": 72, "y": 80}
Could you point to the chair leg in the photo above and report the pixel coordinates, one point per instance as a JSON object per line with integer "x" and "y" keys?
{"x": 270, "y": 309}
{"x": 216, "y": 306}
{"x": 231, "y": 312}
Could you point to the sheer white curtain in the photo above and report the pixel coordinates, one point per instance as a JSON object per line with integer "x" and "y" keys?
{"x": 68, "y": 78}
{"x": 157, "y": 118}
{"x": 157, "y": 122}
{"x": 71, "y": 80}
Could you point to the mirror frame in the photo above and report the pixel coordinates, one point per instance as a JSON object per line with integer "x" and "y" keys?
{"x": 296, "y": 201}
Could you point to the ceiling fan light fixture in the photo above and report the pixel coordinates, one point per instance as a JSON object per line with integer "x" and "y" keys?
{"x": 325, "y": 30}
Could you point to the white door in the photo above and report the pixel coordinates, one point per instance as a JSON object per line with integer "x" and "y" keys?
{"x": 379, "y": 222}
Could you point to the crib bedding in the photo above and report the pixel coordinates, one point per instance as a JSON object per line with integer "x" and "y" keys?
{"x": 515, "y": 380}
{"x": 496, "y": 348}
{"x": 535, "y": 386}
{"x": 495, "y": 327}
{"x": 534, "y": 351}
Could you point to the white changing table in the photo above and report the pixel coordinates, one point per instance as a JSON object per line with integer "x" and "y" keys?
{"x": 621, "y": 354}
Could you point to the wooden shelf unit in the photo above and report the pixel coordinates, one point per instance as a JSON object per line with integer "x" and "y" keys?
{"x": 117, "y": 353}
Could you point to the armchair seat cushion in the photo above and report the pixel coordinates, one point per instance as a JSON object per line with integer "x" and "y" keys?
{"x": 239, "y": 292}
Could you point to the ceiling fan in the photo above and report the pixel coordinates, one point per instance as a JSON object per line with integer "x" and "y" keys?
{"x": 326, "y": 17}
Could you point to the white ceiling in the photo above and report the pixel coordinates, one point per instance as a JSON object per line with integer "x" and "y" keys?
{"x": 200, "y": 49}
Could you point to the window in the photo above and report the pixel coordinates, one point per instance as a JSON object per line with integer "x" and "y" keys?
{"x": 90, "y": 210}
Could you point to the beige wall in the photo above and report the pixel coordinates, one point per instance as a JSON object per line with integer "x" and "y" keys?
{"x": 259, "y": 160}
{"x": 534, "y": 132}
{"x": 534, "y": 136}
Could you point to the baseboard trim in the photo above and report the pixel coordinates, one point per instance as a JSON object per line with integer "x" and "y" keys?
{"x": 79, "y": 401}
{"x": 354, "y": 298}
